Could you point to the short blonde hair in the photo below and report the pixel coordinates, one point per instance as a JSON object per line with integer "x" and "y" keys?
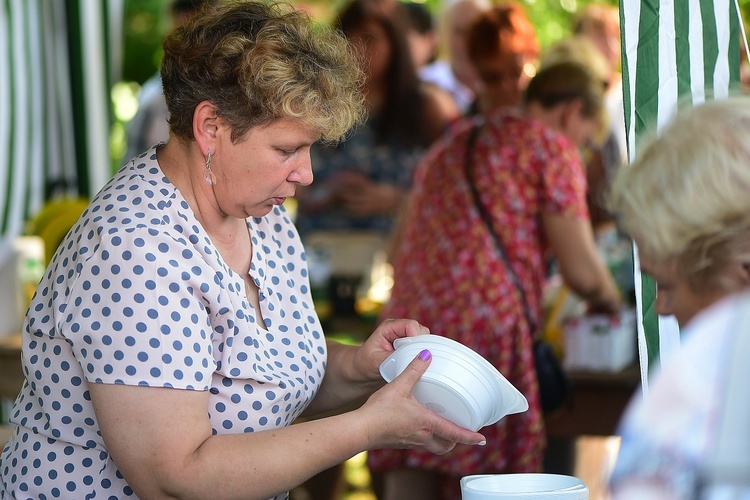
{"x": 579, "y": 49}
{"x": 686, "y": 197}
{"x": 258, "y": 62}
{"x": 566, "y": 81}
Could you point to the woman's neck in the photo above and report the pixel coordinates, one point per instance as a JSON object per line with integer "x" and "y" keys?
{"x": 184, "y": 166}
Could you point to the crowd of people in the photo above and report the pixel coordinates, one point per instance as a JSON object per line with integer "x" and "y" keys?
{"x": 173, "y": 347}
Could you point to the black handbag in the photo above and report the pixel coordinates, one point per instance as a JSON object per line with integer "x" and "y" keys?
{"x": 555, "y": 387}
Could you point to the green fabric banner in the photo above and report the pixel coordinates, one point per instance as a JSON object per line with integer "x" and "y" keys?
{"x": 675, "y": 53}
{"x": 55, "y": 75}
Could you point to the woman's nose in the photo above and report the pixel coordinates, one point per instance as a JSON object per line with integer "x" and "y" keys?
{"x": 302, "y": 173}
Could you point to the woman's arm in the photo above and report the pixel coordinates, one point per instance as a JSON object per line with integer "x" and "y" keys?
{"x": 572, "y": 243}
{"x": 161, "y": 440}
{"x": 439, "y": 110}
{"x": 353, "y": 372}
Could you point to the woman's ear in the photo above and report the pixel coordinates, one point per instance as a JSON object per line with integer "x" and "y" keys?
{"x": 745, "y": 274}
{"x": 205, "y": 126}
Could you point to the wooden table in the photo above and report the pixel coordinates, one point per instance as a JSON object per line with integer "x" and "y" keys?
{"x": 11, "y": 373}
{"x": 599, "y": 399}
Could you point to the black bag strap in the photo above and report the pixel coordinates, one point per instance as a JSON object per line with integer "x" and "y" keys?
{"x": 469, "y": 167}
{"x": 555, "y": 388}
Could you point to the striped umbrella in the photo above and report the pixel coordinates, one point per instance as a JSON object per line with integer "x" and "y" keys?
{"x": 675, "y": 53}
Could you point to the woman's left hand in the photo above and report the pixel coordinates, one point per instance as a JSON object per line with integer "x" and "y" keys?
{"x": 362, "y": 197}
{"x": 353, "y": 372}
{"x": 379, "y": 345}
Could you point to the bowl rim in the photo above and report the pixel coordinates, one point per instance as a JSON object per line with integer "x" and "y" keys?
{"x": 479, "y": 482}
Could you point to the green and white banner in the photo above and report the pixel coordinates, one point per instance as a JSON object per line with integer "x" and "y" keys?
{"x": 56, "y": 65}
{"x": 674, "y": 53}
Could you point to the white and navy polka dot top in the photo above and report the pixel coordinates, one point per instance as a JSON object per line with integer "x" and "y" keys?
{"x": 137, "y": 294}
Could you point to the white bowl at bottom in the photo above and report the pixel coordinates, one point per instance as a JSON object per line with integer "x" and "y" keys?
{"x": 523, "y": 486}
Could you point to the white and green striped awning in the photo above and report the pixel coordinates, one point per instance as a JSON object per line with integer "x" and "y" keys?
{"x": 56, "y": 65}
{"x": 675, "y": 52}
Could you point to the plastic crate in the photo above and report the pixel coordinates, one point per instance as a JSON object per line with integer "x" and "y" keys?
{"x": 600, "y": 342}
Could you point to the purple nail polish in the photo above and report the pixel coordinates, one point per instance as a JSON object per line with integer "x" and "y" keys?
{"x": 425, "y": 355}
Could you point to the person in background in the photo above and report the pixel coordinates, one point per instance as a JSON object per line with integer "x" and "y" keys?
{"x": 448, "y": 272}
{"x": 149, "y": 125}
{"x": 744, "y": 63}
{"x": 453, "y": 70}
{"x": 602, "y": 154}
{"x": 600, "y": 24}
{"x": 684, "y": 201}
{"x": 361, "y": 182}
{"x": 173, "y": 339}
{"x": 421, "y": 34}
{"x": 503, "y": 48}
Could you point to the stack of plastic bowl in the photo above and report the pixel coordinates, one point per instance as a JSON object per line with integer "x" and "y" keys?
{"x": 523, "y": 487}
{"x": 460, "y": 385}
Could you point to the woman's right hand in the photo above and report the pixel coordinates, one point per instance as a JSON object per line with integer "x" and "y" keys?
{"x": 609, "y": 302}
{"x": 162, "y": 441}
{"x": 582, "y": 268}
{"x": 395, "y": 419}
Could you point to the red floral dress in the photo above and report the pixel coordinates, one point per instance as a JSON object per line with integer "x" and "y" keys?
{"x": 449, "y": 277}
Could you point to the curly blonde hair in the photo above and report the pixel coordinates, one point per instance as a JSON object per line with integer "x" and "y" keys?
{"x": 258, "y": 62}
{"x": 686, "y": 198}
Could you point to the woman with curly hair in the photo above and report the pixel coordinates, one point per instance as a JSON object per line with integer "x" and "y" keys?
{"x": 173, "y": 338}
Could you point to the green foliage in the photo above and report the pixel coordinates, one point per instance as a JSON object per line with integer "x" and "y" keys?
{"x": 145, "y": 23}
{"x": 551, "y": 18}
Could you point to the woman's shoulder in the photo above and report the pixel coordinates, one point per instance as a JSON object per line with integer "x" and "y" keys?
{"x": 137, "y": 193}
{"x": 528, "y": 131}
{"x": 137, "y": 205}
{"x": 439, "y": 109}
{"x": 436, "y": 96}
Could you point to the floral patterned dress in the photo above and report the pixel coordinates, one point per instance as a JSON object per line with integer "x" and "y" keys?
{"x": 449, "y": 276}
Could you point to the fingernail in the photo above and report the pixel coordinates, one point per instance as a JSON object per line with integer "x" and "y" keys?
{"x": 482, "y": 443}
{"x": 425, "y": 355}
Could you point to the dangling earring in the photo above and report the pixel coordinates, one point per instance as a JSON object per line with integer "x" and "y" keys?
{"x": 208, "y": 174}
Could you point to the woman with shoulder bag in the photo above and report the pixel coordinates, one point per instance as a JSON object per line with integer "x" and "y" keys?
{"x": 451, "y": 274}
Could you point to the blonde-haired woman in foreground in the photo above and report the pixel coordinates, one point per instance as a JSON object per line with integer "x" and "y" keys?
{"x": 686, "y": 203}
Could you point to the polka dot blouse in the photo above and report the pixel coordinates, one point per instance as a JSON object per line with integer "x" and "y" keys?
{"x": 138, "y": 295}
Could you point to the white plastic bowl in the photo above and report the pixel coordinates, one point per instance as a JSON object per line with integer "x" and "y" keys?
{"x": 528, "y": 486}
{"x": 460, "y": 385}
